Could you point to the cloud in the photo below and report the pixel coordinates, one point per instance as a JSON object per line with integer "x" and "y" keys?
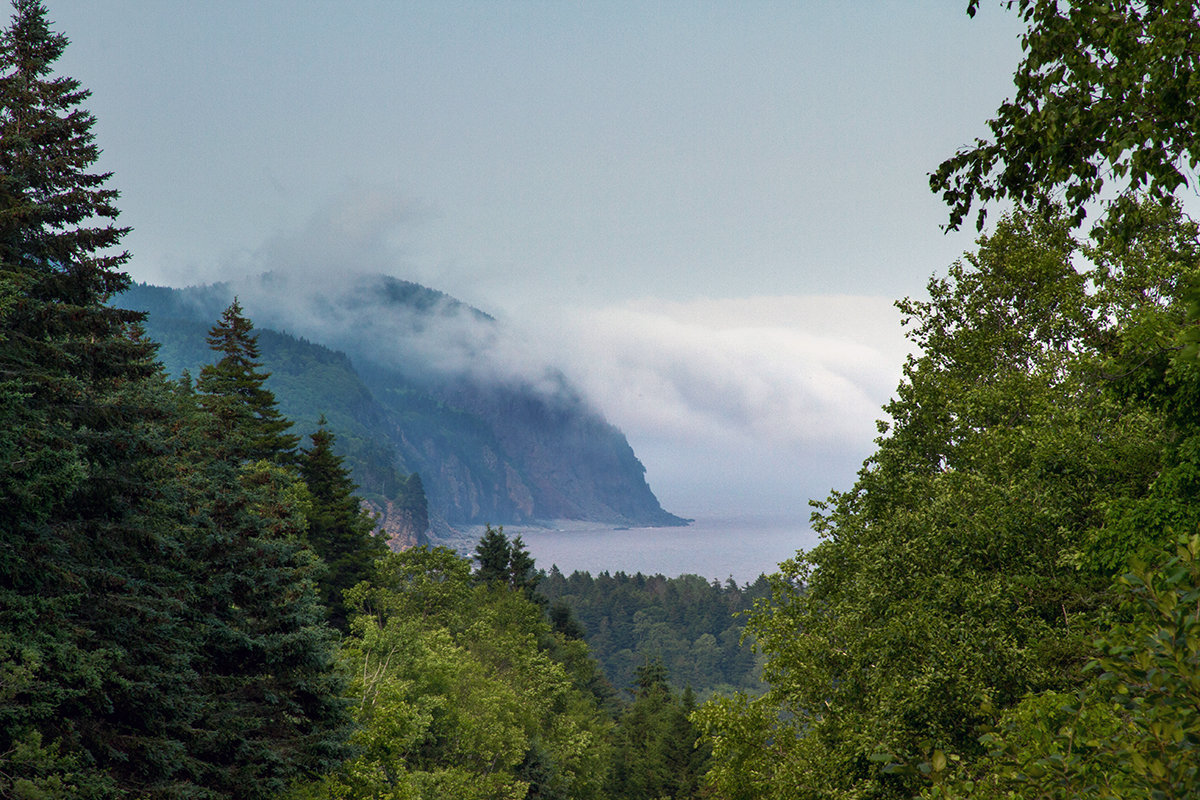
{"x": 735, "y": 404}
{"x": 759, "y": 402}
{"x": 362, "y": 229}
{"x": 796, "y": 372}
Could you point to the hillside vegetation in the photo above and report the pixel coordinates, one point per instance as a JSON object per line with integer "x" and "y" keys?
{"x": 410, "y": 390}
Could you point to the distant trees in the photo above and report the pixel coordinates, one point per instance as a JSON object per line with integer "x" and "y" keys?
{"x": 504, "y": 561}
{"x": 654, "y": 744}
{"x": 691, "y": 626}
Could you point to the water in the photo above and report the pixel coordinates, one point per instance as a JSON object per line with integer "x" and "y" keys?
{"x": 715, "y": 547}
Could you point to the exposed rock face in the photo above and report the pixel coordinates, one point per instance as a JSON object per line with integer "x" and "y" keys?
{"x": 398, "y": 524}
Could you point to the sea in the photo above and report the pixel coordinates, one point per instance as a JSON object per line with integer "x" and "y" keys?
{"x": 740, "y": 547}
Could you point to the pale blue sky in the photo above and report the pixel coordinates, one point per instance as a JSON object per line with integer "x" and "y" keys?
{"x": 695, "y": 168}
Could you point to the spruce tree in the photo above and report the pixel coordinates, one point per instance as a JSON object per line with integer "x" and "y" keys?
{"x": 415, "y": 502}
{"x": 339, "y": 530}
{"x": 96, "y": 686}
{"x": 247, "y": 425}
{"x": 272, "y": 709}
{"x": 493, "y": 552}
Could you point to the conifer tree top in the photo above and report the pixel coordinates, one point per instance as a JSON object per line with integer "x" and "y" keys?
{"x": 47, "y": 195}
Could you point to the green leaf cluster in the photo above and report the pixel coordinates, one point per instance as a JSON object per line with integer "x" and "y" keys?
{"x": 1106, "y": 94}
{"x": 1133, "y": 730}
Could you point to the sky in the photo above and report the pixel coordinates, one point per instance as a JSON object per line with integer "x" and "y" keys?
{"x": 701, "y": 212}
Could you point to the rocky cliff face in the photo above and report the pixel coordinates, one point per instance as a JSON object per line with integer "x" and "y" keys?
{"x": 417, "y": 388}
{"x": 398, "y": 523}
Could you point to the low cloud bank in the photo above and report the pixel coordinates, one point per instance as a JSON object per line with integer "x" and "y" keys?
{"x": 736, "y": 404}
{"x": 733, "y": 404}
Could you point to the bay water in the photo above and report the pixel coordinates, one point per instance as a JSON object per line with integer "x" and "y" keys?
{"x": 715, "y": 547}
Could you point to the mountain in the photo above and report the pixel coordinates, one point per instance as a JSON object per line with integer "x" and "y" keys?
{"x": 413, "y": 381}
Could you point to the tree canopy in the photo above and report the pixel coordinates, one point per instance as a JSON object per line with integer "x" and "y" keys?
{"x": 1106, "y": 96}
{"x": 971, "y": 564}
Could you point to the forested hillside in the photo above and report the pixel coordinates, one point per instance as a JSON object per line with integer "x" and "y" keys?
{"x": 691, "y": 626}
{"x": 411, "y": 388}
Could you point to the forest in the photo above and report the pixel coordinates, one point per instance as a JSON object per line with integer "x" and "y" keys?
{"x": 1006, "y": 603}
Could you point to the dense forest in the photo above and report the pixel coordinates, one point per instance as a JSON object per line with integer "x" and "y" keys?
{"x": 694, "y": 628}
{"x": 1005, "y": 604}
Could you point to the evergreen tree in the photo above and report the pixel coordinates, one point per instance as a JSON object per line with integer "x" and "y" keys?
{"x": 415, "y": 502}
{"x": 654, "y": 752}
{"x": 493, "y": 553}
{"x": 96, "y": 687}
{"x": 504, "y": 561}
{"x": 247, "y": 424}
{"x": 339, "y": 530}
{"x": 272, "y": 710}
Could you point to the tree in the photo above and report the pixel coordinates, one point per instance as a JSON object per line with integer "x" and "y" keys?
{"x": 957, "y": 575}
{"x": 415, "y": 502}
{"x": 458, "y": 694}
{"x": 1107, "y": 92}
{"x": 506, "y": 562}
{"x": 247, "y": 423}
{"x": 1134, "y": 729}
{"x": 96, "y": 685}
{"x": 272, "y": 709}
{"x": 339, "y": 530}
{"x": 655, "y": 753}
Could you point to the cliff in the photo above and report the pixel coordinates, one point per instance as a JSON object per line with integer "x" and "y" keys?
{"x": 413, "y": 382}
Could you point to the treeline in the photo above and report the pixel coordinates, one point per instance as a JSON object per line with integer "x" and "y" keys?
{"x": 691, "y": 626}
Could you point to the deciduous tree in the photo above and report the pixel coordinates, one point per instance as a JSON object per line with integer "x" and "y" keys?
{"x": 1106, "y": 94}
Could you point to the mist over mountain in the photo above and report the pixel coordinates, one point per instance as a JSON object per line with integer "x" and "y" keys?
{"x": 415, "y": 381}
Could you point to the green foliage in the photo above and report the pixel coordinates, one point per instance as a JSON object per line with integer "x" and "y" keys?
{"x": 693, "y": 627}
{"x": 458, "y": 694}
{"x": 339, "y": 531}
{"x": 160, "y": 636}
{"x": 969, "y": 566}
{"x": 95, "y": 675}
{"x": 1106, "y": 92}
{"x": 505, "y": 562}
{"x": 1133, "y": 731}
{"x": 246, "y": 422}
{"x": 654, "y": 744}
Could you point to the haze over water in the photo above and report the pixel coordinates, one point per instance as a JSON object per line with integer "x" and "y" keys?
{"x": 716, "y": 547}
